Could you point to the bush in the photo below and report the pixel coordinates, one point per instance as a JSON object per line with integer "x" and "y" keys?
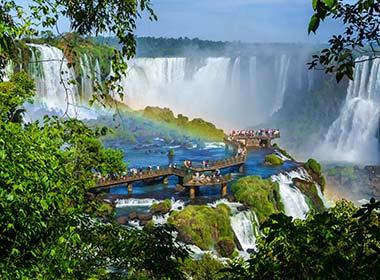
{"x": 207, "y": 268}
{"x": 205, "y": 226}
{"x": 261, "y": 195}
{"x": 161, "y": 207}
{"x": 272, "y": 159}
{"x": 313, "y": 165}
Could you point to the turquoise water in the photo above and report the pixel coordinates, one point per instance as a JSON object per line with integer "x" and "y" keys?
{"x": 155, "y": 153}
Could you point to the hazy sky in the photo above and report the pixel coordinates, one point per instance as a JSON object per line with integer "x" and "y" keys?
{"x": 232, "y": 20}
{"x": 244, "y": 20}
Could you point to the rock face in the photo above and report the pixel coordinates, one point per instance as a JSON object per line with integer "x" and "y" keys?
{"x": 310, "y": 191}
{"x": 161, "y": 208}
{"x": 315, "y": 171}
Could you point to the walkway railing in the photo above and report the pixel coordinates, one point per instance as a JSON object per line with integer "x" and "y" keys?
{"x": 220, "y": 164}
{"x": 148, "y": 174}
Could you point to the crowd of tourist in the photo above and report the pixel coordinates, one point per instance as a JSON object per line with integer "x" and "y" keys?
{"x": 256, "y": 133}
{"x": 207, "y": 178}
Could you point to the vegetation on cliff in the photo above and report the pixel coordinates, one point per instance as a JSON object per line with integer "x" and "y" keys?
{"x": 309, "y": 189}
{"x": 196, "y": 127}
{"x": 76, "y": 48}
{"x": 262, "y": 195}
{"x": 208, "y": 228}
{"x": 315, "y": 171}
{"x": 273, "y": 159}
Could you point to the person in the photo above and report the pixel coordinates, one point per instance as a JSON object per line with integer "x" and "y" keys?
{"x": 217, "y": 172}
{"x": 158, "y": 167}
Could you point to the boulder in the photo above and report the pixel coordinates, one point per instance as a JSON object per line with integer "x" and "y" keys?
{"x": 122, "y": 220}
{"x": 179, "y": 188}
{"x": 225, "y": 247}
{"x": 161, "y": 208}
{"x": 132, "y": 216}
{"x": 243, "y": 208}
{"x": 144, "y": 216}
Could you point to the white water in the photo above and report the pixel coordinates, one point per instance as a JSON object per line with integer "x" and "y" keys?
{"x": 294, "y": 201}
{"x": 230, "y": 92}
{"x": 54, "y": 84}
{"x": 86, "y": 76}
{"x": 352, "y": 136}
{"x": 282, "y": 66}
{"x": 245, "y": 225}
{"x": 135, "y": 202}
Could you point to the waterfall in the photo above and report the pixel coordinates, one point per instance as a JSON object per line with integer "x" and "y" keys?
{"x": 54, "y": 83}
{"x": 230, "y": 92}
{"x": 135, "y": 202}
{"x": 236, "y": 75}
{"x": 353, "y": 135}
{"x": 282, "y": 67}
{"x": 86, "y": 76}
{"x": 245, "y": 226}
{"x": 7, "y": 72}
{"x": 294, "y": 201}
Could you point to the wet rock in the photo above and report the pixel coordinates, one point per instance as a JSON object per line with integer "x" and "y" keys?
{"x": 242, "y": 208}
{"x": 132, "y": 216}
{"x": 179, "y": 188}
{"x": 225, "y": 247}
{"x": 185, "y": 238}
{"x": 161, "y": 208}
{"x": 122, "y": 220}
{"x": 251, "y": 251}
{"x": 144, "y": 217}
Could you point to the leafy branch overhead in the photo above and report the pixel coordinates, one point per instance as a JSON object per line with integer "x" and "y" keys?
{"x": 87, "y": 18}
{"x": 360, "y": 40}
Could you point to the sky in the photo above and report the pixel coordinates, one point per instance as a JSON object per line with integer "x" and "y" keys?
{"x": 236, "y": 20}
{"x": 252, "y": 21}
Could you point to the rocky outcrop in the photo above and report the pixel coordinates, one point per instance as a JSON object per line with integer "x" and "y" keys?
{"x": 309, "y": 189}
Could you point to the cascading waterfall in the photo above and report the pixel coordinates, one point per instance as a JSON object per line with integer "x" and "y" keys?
{"x": 86, "y": 76}
{"x": 282, "y": 65}
{"x": 7, "y": 71}
{"x": 353, "y": 135}
{"x": 230, "y": 92}
{"x": 54, "y": 83}
{"x": 294, "y": 201}
{"x": 245, "y": 226}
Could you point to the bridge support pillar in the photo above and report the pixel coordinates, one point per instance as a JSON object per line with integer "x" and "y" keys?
{"x": 130, "y": 188}
{"x": 180, "y": 181}
{"x": 192, "y": 192}
{"x": 223, "y": 190}
{"x": 241, "y": 168}
{"x": 165, "y": 180}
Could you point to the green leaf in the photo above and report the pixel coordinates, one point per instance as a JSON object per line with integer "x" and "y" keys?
{"x": 339, "y": 76}
{"x": 329, "y": 3}
{"x": 313, "y": 24}
{"x": 315, "y": 3}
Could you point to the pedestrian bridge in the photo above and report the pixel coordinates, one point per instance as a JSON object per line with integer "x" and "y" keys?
{"x": 185, "y": 176}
